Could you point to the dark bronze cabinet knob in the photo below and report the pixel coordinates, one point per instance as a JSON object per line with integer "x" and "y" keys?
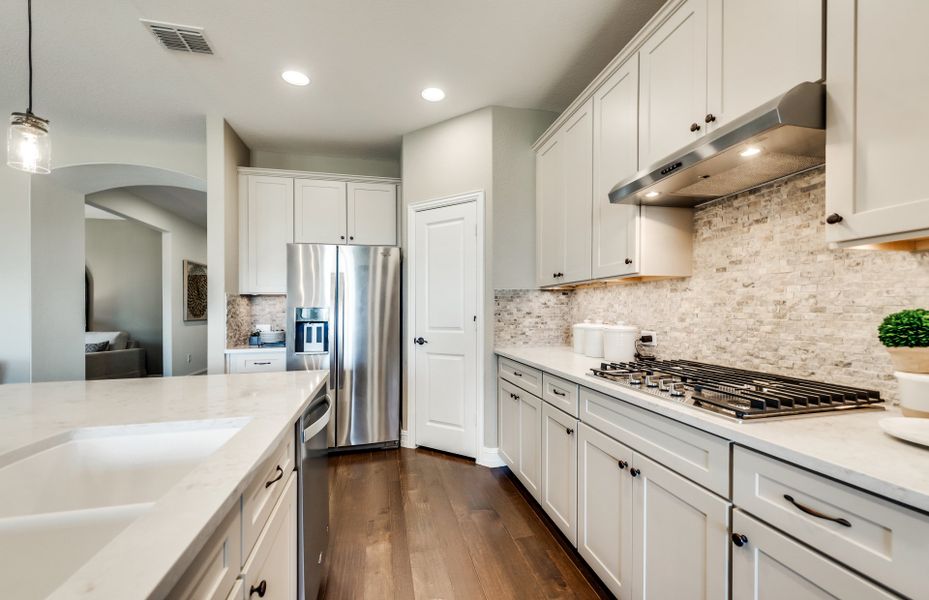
{"x": 569, "y": 431}
{"x": 739, "y": 539}
{"x": 834, "y": 218}
{"x": 634, "y": 472}
{"x": 710, "y": 118}
{"x": 695, "y": 127}
{"x": 628, "y": 261}
{"x": 260, "y": 589}
{"x": 623, "y": 464}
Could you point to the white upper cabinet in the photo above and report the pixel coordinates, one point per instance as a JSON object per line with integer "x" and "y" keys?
{"x": 578, "y": 177}
{"x": 673, "y": 88}
{"x": 372, "y": 214}
{"x": 550, "y": 239}
{"x": 320, "y": 214}
{"x": 615, "y": 157}
{"x": 564, "y": 192}
{"x": 266, "y": 226}
{"x": 767, "y": 47}
{"x": 877, "y": 133}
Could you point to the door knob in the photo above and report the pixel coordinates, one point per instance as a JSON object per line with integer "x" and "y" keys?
{"x": 834, "y": 218}
{"x": 695, "y": 127}
{"x": 420, "y": 341}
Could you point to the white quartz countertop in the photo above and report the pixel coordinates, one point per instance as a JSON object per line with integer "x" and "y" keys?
{"x": 148, "y": 557}
{"x": 251, "y": 349}
{"x": 849, "y": 447}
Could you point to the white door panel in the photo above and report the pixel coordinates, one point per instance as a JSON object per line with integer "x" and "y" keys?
{"x": 445, "y": 293}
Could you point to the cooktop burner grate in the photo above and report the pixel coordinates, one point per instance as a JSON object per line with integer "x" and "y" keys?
{"x": 735, "y": 393}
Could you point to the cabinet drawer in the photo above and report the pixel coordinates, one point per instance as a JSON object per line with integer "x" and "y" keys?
{"x": 256, "y": 363}
{"x": 520, "y": 375}
{"x": 260, "y": 496}
{"x": 771, "y": 565}
{"x": 877, "y": 538}
{"x": 560, "y": 393}
{"x": 272, "y": 567}
{"x": 697, "y": 455}
{"x": 212, "y": 575}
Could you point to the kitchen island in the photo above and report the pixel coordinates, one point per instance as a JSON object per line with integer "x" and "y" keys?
{"x": 178, "y": 454}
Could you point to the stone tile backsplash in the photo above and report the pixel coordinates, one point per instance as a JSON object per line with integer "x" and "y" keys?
{"x": 244, "y": 312}
{"x": 766, "y": 293}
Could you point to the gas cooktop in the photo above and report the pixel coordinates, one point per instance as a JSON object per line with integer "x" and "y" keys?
{"x": 735, "y": 393}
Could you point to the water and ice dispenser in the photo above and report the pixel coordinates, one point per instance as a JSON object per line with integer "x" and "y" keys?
{"x": 311, "y": 330}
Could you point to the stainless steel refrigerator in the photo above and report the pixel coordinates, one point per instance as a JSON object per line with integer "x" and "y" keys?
{"x": 343, "y": 314}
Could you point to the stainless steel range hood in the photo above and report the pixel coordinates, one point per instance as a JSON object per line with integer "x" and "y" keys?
{"x": 784, "y": 136}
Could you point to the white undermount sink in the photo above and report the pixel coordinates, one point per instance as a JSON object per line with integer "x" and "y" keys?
{"x": 66, "y": 497}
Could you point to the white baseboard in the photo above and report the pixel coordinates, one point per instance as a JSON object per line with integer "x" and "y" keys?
{"x": 490, "y": 457}
{"x": 405, "y": 441}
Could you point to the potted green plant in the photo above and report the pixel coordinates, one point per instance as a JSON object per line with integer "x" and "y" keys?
{"x": 906, "y": 336}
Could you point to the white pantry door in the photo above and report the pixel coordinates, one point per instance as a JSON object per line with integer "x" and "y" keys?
{"x": 444, "y": 327}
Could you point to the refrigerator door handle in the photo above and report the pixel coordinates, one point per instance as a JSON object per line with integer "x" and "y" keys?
{"x": 340, "y": 310}
{"x": 333, "y": 338}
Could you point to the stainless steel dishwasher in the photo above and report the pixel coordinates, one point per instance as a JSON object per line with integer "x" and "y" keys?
{"x": 313, "y": 496}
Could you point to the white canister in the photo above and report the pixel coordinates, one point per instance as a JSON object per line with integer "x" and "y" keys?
{"x": 619, "y": 342}
{"x": 577, "y": 337}
{"x": 593, "y": 340}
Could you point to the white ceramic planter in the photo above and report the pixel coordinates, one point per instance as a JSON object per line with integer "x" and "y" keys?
{"x": 914, "y": 393}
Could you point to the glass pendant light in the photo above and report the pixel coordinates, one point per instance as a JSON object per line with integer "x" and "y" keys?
{"x": 28, "y": 146}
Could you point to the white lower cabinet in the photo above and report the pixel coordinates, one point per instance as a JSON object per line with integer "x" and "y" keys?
{"x": 559, "y": 469}
{"x": 529, "y": 469}
{"x": 604, "y": 508}
{"x": 520, "y": 430}
{"x": 767, "y": 565}
{"x": 214, "y": 571}
{"x": 680, "y": 542}
{"x": 271, "y": 570}
{"x": 238, "y": 591}
{"x": 508, "y": 425}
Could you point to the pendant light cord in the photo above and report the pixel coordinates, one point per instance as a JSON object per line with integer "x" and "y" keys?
{"x": 29, "y": 11}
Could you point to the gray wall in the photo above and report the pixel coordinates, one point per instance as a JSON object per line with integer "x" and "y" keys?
{"x": 352, "y": 165}
{"x": 57, "y": 247}
{"x": 124, "y": 259}
{"x": 15, "y": 259}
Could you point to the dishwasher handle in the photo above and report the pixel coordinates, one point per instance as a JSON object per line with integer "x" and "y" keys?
{"x": 310, "y": 431}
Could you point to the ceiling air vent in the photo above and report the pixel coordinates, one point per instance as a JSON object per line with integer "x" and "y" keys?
{"x": 179, "y": 37}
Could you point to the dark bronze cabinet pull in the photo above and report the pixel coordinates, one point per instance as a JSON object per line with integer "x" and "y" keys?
{"x": 558, "y": 392}
{"x": 739, "y": 539}
{"x": 280, "y": 474}
{"x": 517, "y": 374}
{"x": 816, "y": 513}
{"x": 261, "y": 588}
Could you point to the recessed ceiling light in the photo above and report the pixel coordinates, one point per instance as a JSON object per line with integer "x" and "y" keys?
{"x": 750, "y": 151}
{"x": 295, "y": 78}
{"x": 652, "y": 194}
{"x": 433, "y": 94}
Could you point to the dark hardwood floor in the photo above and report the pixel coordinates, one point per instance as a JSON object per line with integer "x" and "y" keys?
{"x": 423, "y": 524}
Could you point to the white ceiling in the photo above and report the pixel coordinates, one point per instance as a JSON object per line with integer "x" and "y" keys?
{"x": 98, "y": 68}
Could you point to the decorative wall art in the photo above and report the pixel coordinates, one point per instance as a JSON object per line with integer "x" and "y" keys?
{"x": 194, "y": 291}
